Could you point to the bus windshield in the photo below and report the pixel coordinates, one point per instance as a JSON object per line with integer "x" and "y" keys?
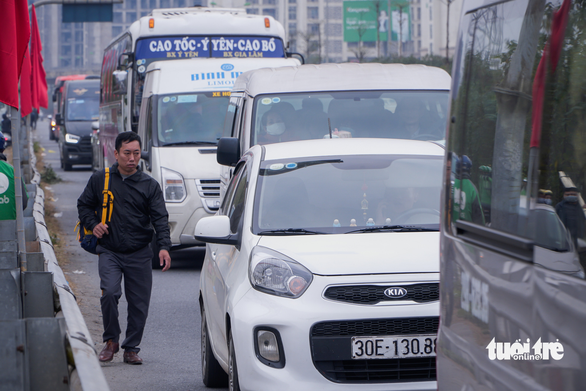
{"x": 417, "y": 115}
{"x": 190, "y": 118}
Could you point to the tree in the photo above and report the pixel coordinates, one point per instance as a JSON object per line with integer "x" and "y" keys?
{"x": 401, "y": 5}
{"x": 360, "y": 52}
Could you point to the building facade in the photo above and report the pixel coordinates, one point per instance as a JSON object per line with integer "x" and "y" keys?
{"x": 315, "y": 28}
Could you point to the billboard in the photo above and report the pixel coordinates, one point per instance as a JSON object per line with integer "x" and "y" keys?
{"x": 363, "y": 19}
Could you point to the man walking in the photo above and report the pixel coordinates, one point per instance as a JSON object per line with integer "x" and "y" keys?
{"x": 123, "y": 243}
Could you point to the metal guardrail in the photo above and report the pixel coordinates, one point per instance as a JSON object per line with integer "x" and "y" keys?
{"x": 89, "y": 372}
{"x": 44, "y": 341}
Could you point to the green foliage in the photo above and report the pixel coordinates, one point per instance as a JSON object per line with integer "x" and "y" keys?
{"x": 49, "y": 175}
{"x": 54, "y": 239}
{"x": 37, "y": 147}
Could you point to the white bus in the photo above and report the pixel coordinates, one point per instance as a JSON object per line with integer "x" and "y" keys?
{"x": 182, "y": 33}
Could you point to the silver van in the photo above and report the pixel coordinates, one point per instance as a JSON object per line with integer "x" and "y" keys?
{"x": 333, "y": 100}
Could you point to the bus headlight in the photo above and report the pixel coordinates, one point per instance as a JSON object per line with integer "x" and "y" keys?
{"x": 173, "y": 186}
{"x": 72, "y": 138}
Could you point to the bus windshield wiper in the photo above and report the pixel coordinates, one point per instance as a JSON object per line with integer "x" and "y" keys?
{"x": 191, "y": 143}
{"x": 396, "y": 228}
{"x": 287, "y": 231}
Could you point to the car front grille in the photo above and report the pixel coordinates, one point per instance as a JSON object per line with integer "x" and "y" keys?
{"x": 331, "y": 351}
{"x": 209, "y": 191}
{"x": 380, "y": 371}
{"x": 373, "y": 294}
{"x": 85, "y": 144}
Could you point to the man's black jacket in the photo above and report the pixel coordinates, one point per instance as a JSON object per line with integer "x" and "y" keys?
{"x": 138, "y": 206}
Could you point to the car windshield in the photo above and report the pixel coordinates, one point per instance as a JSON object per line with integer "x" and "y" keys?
{"x": 348, "y": 194}
{"x": 83, "y": 109}
{"x": 417, "y": 115}
{"x": 191, "y": 118}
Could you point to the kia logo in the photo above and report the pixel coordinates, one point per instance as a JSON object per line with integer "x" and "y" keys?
{"x": 395, "y": 292}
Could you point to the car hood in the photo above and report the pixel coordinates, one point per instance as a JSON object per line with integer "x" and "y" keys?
{"x": 79, "y": 128}
{"x": 367, "y": 253}
{"x": 193, "y": 162}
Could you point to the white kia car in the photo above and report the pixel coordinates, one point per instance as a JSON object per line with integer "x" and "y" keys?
{"x": 322, "y": 266}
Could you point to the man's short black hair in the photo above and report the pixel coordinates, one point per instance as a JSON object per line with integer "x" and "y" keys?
{"x": 127, "y": 137}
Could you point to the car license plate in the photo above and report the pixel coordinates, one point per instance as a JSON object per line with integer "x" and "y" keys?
{"x": 397, "y": 346}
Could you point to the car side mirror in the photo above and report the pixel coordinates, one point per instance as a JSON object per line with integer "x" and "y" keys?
{"x": 228, "y": 152}
{"x": 95, "y": 126}
{"x": 59, "y": 119}
{"x": 215, "y": 229}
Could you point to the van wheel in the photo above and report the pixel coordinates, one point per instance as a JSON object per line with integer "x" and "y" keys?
{"x": 234, "y": 384}
{"x": 67, "y": 167}
{"x": 212, "y": 374}
{"x": 155, "y": 248}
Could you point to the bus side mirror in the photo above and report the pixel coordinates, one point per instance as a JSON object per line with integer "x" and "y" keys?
{"x": 59, "y": 119}
{"x": 146, "y": 155}
{"x": 293, "y": 54}
{"x": 228, "y": 152}
{"x": 125, "y": 60}
{"x": 119, "y": 82}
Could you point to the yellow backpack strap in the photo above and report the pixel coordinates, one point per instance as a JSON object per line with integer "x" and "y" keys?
{"x": 108, "y": 198}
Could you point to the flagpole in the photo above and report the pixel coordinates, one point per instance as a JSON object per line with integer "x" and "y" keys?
{"x": 15, "y": 122}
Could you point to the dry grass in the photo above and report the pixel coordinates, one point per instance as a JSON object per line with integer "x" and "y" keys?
{"x": 51, "y": 221}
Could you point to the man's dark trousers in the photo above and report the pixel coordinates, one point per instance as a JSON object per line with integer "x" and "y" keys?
{"x": 138, "y": 280}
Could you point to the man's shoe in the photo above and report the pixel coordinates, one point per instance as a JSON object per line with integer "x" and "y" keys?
{"x": 107, "y": 354}
{"x": 132, "y": 358}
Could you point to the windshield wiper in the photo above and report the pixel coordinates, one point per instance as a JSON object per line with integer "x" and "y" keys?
{"x": 287, "y": 231}
{"x": 191, "y": 143}
{"x": 397, "y": 228}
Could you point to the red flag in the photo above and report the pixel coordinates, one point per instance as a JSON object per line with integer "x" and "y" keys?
{"x": 39, "y": 78}
{"x": 25, "y": 86}
{"x": 15, "y": 33}
{"x": 551, "y": 52}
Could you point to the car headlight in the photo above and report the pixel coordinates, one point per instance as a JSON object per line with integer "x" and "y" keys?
{"x": 274, "y": 273}
{"x": 71, "y": 138}
{"x": 53, "y": 124}
{"x": 173, "y": 185}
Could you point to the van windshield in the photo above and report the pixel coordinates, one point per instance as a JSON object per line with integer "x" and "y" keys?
{"x": 83, "y": 109}
{"x": 191, "y": 117}
{"x": 419, "y": 115}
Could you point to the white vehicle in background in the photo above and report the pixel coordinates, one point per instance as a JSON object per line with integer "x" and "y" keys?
{"x": 182, "y": 117}
{"x": 333, "y": 100}
{"x": 174, "y": 34}
{"x": 322, "y": 266}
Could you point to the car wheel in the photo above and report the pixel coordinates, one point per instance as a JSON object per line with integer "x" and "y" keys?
{"x": 51, "y": 135}
{"x": 233, "y": 384}
{"x": 211, "y": 372}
